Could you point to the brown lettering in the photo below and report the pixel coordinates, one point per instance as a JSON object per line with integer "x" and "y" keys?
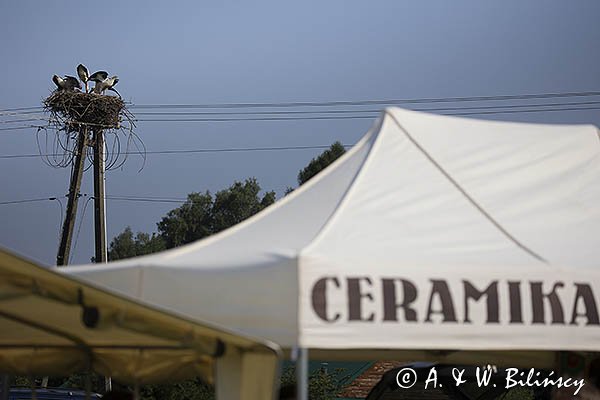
{"x": 319, "y": 298}
{"x": 355, "y": 297}
{"x": 390, "y": 305}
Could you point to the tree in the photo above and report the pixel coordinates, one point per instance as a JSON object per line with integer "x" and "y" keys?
{"x": 125, "y": 245}
{"x": 322, "y": 385}
{"x": 201, "y": 215}
{"x": 321, "y": 162}
{"x": 191, "y": 221}
{"x": 186, "y": 390}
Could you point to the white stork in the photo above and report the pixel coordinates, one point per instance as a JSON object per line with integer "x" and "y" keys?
{"x": 107, "y": 84}
{"x": 84, "y": 75}
{"x": 68, "y": 83}
{"x": 98, "y": 76}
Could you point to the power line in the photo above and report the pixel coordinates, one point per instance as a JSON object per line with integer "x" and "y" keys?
{"x": 511, "y": 111}
{"x": 527, "y": 111}
{"x": 27, "y": 201}
{"x": 344, "y": 117}
{"x": 14, "y": 121}
{"x": 312, "y": 118}
{"x": 371, "y": 102}
{"x": 147, "y": 199}
{"x": 191, "y": 151}
{"x": 13, "y": 113}
{"x": 369, "y": 111}
{"x": 21, "y": 127}
{"x": 21, "y": 109}
{"x": 304, "y": 112}
{"x": 354, "y": 102}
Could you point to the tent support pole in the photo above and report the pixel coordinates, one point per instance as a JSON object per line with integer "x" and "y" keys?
{"x": 136, "y": 391}
{"x": 4, "y": 387}
{"x": 302, "y": 374}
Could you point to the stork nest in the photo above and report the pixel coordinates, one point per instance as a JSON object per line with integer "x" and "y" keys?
{"x": 76, "y": 109}
{"x": 78, "y": 116}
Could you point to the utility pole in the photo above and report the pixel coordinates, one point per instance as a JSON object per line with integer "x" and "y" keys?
{"x": 99, "y": 197}
{"x": 64, "y": 248}
{"x": 101, "y": 255}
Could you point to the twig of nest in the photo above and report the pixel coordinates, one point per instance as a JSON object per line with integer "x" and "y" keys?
{"x": 77, "y": 109}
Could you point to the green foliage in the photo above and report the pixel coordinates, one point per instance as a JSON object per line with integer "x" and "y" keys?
{"x": 187, "y": 390}
{"x": 125, "y": 245}
{"x": 78, "y": 381}
{"x": 201, "y": 215}
{"x": 191, "y": 221}
{"x": 238, "y": 202}
{"x": 321, "y": 162}
{"x": 322, "y": 385}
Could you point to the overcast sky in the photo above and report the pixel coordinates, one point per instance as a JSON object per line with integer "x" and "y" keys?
{"x": 206, "y": 52}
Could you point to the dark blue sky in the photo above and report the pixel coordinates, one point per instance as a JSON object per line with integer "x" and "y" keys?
{"x": 276, "y": 51}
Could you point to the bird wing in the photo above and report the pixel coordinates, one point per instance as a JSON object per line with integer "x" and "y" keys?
{"x": 98, "y": 76}
{"x": 83, "y": 72}
{"x": 72, "y": 82}
{"x": 58, "y": 81}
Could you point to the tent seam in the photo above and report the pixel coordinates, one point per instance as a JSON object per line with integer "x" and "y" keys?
{"x": 344, "y": 198}
{"x": 480, "y": 208}
{"x": 375, "y": 130}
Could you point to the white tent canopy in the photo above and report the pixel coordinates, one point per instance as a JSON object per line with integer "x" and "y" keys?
{"x": 432, "y": 233}
{"x": 54, "y": 325}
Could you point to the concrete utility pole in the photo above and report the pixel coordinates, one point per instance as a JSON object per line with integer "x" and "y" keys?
{"x": 101, "y": 255}
{"x": 99, "y": 198}
{"x": 64, "y": 248}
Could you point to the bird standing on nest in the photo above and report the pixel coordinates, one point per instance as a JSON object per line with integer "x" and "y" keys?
{"x": 98, "y": 77}
{"x": 107, "y": 84}
{"x": 68, "y": 83}
{"x": 84, "y": 75}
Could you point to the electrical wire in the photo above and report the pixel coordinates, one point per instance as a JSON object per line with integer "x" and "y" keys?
{"x": 328, "y": 112}
{"x": 342, "y": 117}
{"x": 110, "y": 197}
{"x": 192, "y": 151}
{"x": 366, "y": 111}
{"x": 458, "y": 99}
{"x": 61, "y": 216}
{"x": 380, "y": 102}
{"x": 80, "y": 223}
{"x": 27, "y": 201}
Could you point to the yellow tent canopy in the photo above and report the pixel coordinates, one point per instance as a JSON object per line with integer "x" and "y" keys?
{"x": 53, "y": 324}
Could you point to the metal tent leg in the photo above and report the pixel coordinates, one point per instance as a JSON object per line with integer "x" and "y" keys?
{"x": 302, "y": 374}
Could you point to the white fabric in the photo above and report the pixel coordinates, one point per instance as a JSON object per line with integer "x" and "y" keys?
{"x": 53, "y": 324}
{"x": 420, "y": 198}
